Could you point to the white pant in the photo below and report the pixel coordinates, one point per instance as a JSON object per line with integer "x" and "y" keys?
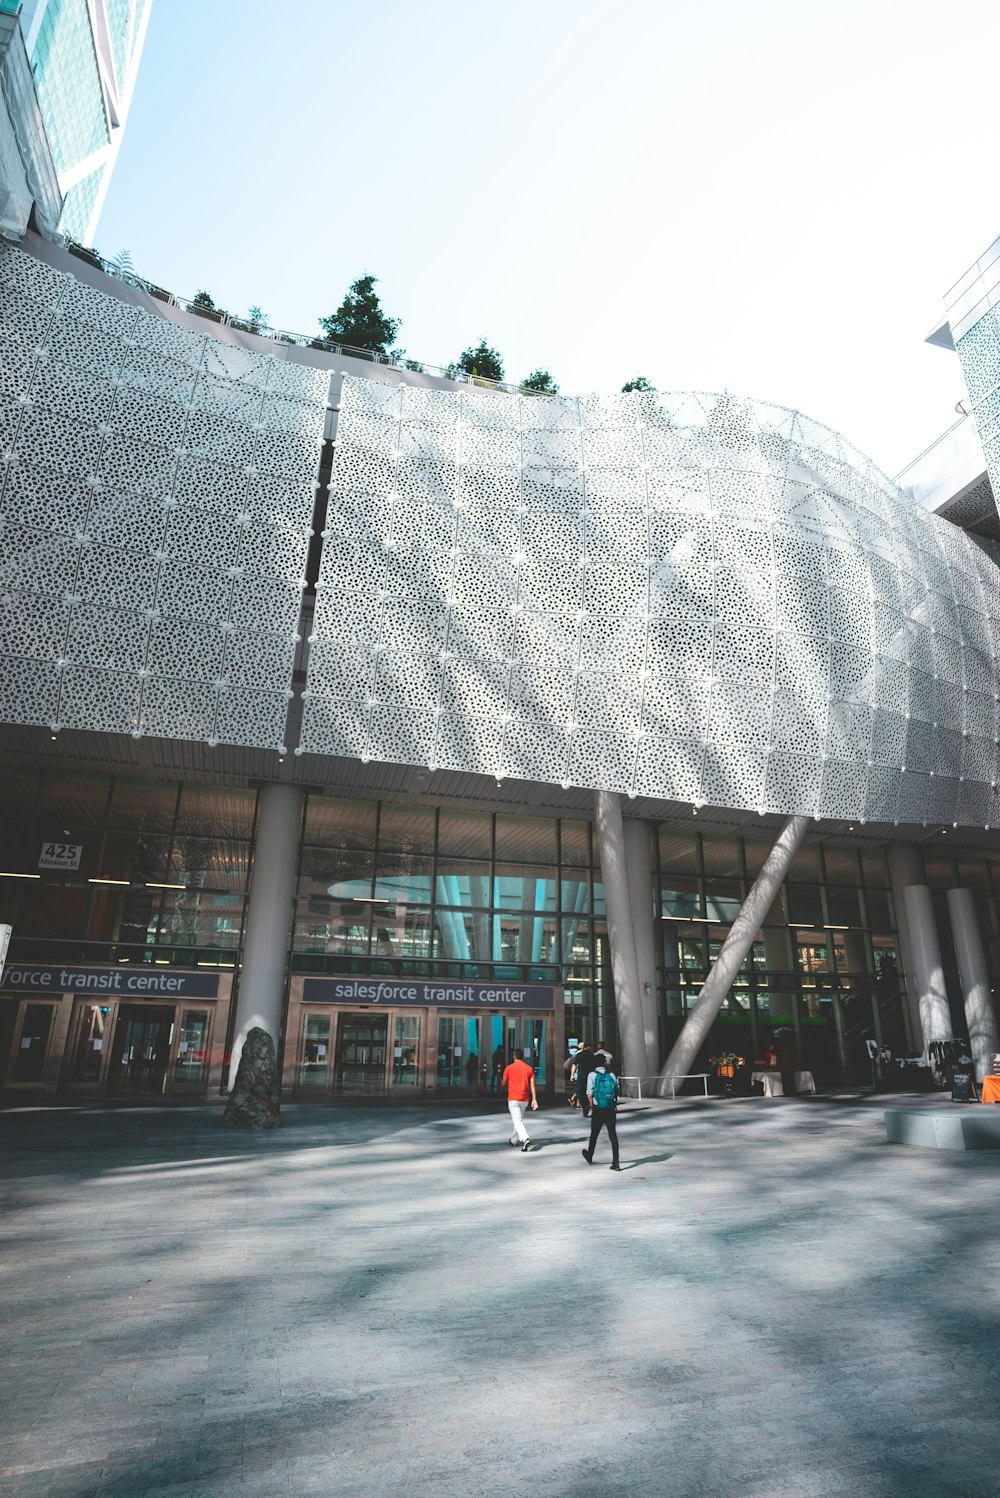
{"x": 516, "y": 1111}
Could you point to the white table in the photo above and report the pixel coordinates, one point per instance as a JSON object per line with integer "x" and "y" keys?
{"x": 804, "y": 1082}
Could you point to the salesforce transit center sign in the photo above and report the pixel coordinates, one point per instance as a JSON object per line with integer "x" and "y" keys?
{"x": 404, "y": 993}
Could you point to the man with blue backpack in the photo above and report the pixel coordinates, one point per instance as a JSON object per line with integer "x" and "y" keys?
{"x": 602, "y": 1091}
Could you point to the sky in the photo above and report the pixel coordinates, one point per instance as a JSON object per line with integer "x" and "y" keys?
{"x": 768, "y": 197}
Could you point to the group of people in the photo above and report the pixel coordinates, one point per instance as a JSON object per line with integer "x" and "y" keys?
{"x": 595, "y": 1088}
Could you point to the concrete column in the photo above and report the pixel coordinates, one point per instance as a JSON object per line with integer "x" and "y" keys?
{"x": 935, "y": 1016}
{"x": 735, "y": 947}
{"x": 980, "y": 1017}
{"x": 269, "y": 916}
{"x": 907, "y": 867}
{"x": 621, "y": 938}
{"x": 639, "y": 872}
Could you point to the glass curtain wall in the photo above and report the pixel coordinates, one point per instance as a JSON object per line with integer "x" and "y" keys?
{"x": 420, "y": 891}
{"x": 124, "y": 869}
{"x": 825, "y": 968}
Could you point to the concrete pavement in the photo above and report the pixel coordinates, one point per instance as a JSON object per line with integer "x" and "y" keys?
{"x": 767, "y": 1301}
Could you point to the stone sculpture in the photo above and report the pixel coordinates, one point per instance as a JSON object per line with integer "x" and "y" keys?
{"x": 254, "y": 1102}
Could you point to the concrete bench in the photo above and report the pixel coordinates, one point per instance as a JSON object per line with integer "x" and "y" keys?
{"x": 961, "y": 1127}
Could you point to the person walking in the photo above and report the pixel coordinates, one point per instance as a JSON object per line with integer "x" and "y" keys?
{"x": 519, "y": 1081}
{"x": 602, "y": 1091}
{"x": 569, "y": 1067}
{"x": 585, "y": 1063}
{"x": 499, "y": 1060}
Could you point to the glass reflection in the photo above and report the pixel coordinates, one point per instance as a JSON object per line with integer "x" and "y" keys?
{"x": 406, "y": 1050}
{"x": 314, "y": 1066}
{"x": 191, "y": 1067}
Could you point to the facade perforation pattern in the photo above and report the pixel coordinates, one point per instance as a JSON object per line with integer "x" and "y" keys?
{"x": 156, "y": 508}
{"x": 692, "y": 597}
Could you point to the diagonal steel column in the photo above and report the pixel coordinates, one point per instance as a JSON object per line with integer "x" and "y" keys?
{"x": 735, "y": 947}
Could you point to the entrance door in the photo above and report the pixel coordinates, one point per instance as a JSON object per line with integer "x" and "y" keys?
{"x": 193, "y": 1048}
{"x": 141, "y": 1049}
{"x": 405, "y": 1051}
{"x": 467, "y": 1045}
{"x": 458, "y": 1052}
{"x": 362, "y": 1043}
{"x": 29, "y": 1058}
{"x": 90, "y": 1039}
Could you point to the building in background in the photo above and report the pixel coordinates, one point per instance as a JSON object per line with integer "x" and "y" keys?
{"x": 408, "y": 719}
{"x": 958, "y": 476}
{"x": 29, "y": 183}
{"x": 84, "y": 56}
{"x": 59, "y": 138}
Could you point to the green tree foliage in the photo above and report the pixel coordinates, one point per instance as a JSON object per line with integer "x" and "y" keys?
{"x": 482, "y": 361}
{"x": 360, "y": 321}
{"x": 639, "y": 383}
{"x": 205, "y": 306}
{"x": 256, "y": 319}
{"x": 542, "y": 381}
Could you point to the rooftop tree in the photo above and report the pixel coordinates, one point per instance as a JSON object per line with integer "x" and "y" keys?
{"x": 639, "y": 383}
{"x": 360, "y": 321}
{"x": 204, "y": 304}
{"x": 540, "y": 381}
{"x": 482, "y": 362}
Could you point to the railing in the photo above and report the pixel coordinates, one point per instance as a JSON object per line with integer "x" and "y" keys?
{"x": 279, "y": 335}
{"x": 651, "y": 1091}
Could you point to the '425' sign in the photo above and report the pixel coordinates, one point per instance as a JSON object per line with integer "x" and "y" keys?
{"x": 60, "y": 856}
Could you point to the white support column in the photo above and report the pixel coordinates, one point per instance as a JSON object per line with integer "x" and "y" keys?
{"x": 269, "y": 917}
{"x": 639, "y": 872}
{"x": 735, "y": 947}
{"x": 980, "y": 1018}
{"x": 907, "y": 867}
{"x": 621, "y": 939}
{"x": 932, "y": 996}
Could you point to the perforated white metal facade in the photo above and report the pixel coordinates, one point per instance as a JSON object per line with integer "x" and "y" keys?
{"x": 687, "y": 597}
{"x": 157, "y": 494}
{"x": 691, "y": 597}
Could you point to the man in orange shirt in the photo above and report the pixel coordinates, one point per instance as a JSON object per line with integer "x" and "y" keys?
{"x": 519, "y": 1080}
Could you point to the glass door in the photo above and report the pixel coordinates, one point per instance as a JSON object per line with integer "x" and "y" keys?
{"x": 141, "y": 1049}
{"x": 33, "y": 1045}
{"x": 90, "y": 1043}
{"x": 405, "y": 1050}
{"x": 362, "y": 1044}
{"x": 191, "y": 1066}
{"x": 493, "y": 1049}
{"x": 534, "y": 1037}
{"x": 314, "y": 1054}
{"x": 459, "y": 1052}
{"x": 501, "y": 1034}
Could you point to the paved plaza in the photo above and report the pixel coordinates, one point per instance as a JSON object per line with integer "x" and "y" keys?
{"x": 768, "y": 1300}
